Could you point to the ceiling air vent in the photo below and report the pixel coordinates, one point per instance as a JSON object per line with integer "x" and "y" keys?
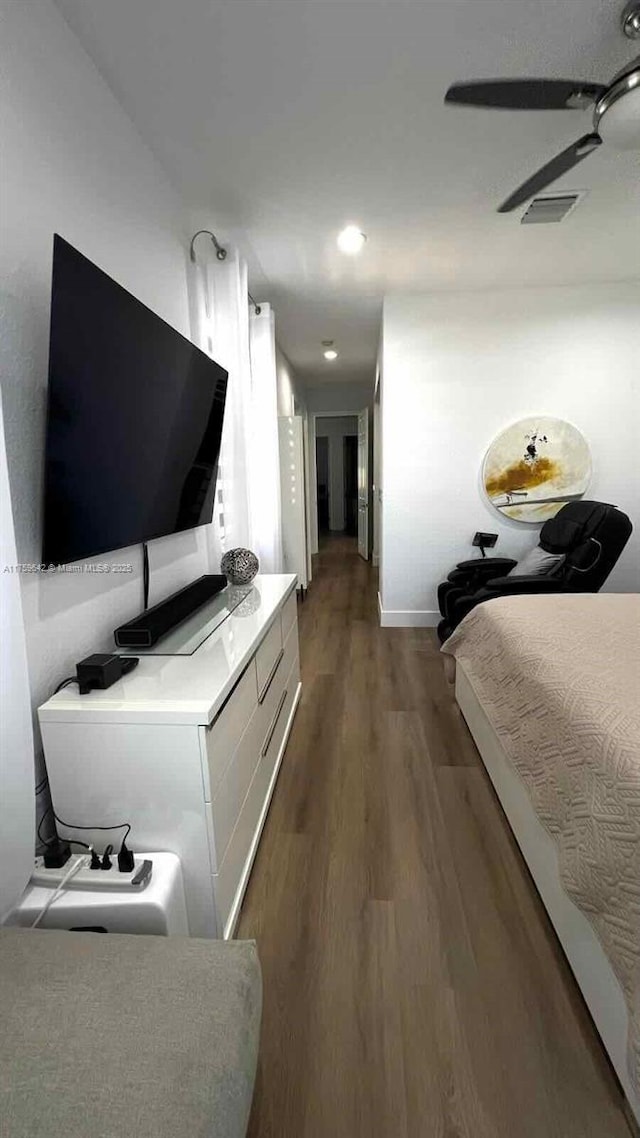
{"x": 552, "y": 207}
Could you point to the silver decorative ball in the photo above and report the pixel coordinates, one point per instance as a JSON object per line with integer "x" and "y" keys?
{"x": 239, "y": 566}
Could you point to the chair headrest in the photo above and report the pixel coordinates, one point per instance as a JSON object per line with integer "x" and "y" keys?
{"x": 574, "y": 523}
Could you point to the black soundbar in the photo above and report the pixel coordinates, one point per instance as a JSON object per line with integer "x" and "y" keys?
{"x": 146, "y": 629}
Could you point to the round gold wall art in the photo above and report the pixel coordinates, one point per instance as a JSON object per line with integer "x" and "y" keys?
{"x": 534, "y": 466}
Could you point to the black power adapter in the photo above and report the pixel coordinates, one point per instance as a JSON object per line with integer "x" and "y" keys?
{"x": 57, "y": 854}
{"x": 126, "y": 861}
{"x": 102, "y": 670}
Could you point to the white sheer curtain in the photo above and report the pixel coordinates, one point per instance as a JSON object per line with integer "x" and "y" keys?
{"x": 16, "y": 737}
{"x": 265, "y": 452}
{"x": 221, "y": 327}
{"x": 247, "y": 509}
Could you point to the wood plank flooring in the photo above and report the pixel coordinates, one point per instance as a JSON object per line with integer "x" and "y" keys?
{"x": 413, "y": 987}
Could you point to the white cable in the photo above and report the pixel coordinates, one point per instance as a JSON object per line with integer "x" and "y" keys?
{"x": 81, "y": 863}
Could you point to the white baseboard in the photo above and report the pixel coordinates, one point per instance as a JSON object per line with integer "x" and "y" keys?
{"x": 414, "y": 618}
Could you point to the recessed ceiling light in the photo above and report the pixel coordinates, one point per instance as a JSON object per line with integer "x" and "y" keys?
{"x": 351, "y": 239}
{"x": 331, "y": 354}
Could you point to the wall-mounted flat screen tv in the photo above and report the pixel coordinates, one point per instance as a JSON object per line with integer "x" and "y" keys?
{"x": 134, "y": 419}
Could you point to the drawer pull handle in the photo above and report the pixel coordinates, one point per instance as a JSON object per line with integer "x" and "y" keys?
{"x": 265, "y": 690}
{"x": 267, "y": 742}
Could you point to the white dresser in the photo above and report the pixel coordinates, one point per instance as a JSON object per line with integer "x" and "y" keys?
{"x": 187, "y": 749}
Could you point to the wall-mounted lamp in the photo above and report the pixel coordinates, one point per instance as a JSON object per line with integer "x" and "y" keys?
{"x": 221, "y": 253}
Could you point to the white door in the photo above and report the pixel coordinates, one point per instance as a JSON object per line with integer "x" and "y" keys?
{"x": 363, "y": 484}
{"x": 308, "y": 501}
{"x": 292, "y": 497}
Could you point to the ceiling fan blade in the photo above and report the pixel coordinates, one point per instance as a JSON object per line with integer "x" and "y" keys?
{"x": 554, "y": 169}
{"x": 525, "y": 94}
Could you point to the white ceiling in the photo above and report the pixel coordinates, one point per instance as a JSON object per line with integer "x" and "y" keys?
{"x": 286, "y": 119}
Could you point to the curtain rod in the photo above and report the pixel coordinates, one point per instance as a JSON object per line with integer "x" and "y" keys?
{"x": 221, "y": 253}
{"x": 257, "y": 307}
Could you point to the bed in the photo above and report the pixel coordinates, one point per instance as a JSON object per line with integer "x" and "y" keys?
{"x": 550, "y": 689}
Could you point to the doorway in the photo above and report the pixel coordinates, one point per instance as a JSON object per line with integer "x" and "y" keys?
{"x": 322, "y": 479}
{"x": 336, "y": 473}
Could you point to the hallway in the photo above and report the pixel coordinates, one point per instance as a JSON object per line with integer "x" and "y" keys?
{"x": 412, "y": 985}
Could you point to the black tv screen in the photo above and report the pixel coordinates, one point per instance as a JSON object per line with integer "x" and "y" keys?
{"x": 134, "y": 420}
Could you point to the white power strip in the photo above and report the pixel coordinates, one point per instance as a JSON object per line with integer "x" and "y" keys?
{"x": 98, "y": 879}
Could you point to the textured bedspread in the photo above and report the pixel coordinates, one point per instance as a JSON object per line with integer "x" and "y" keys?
{"x": 559, "y": 679}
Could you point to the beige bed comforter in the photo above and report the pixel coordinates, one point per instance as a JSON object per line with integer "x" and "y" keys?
{"x": 559, "y": 679}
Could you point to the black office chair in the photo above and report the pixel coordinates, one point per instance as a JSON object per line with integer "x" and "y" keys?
{"x": 576, "y": 552}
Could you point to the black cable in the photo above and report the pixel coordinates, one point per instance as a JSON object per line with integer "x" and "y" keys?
{"x": 71, "y": 826}
{"x": 41, "y": 785}
{"x": 46, "y": 814}
{"x": 45, "y": 842}
{"x": 65, "y": 683}
{"x": 70, "y": 841}
{"x": 68, "y": 826}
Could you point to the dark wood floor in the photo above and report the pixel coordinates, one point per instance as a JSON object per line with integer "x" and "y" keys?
{"x": 412, "y": 985}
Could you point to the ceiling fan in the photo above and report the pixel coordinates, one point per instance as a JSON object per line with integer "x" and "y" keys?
{"x": 616, "y": 112}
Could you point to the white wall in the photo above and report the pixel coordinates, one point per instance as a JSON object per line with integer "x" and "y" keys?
{"x": 336, "y": 428}
{"x": 339, "y": 398}
{"x": 376, "y": 513}
{"x": 456, "y": 370}
{"x": 73, "y": 164}
{"x": 290, "y": 395}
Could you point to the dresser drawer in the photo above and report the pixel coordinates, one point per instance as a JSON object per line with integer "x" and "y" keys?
{"x": 289, "y": 615}
{"x": 273, "y": 741}
{"x": 232, "y": 790}
{"x": 229, "y": 795}
{"x": 233, "y": 873}
{"x": 226, "y": 731}
{"x": 231, "y": 879}
{"x": 267, "y": 657}
{"x": 267, "y": 710}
